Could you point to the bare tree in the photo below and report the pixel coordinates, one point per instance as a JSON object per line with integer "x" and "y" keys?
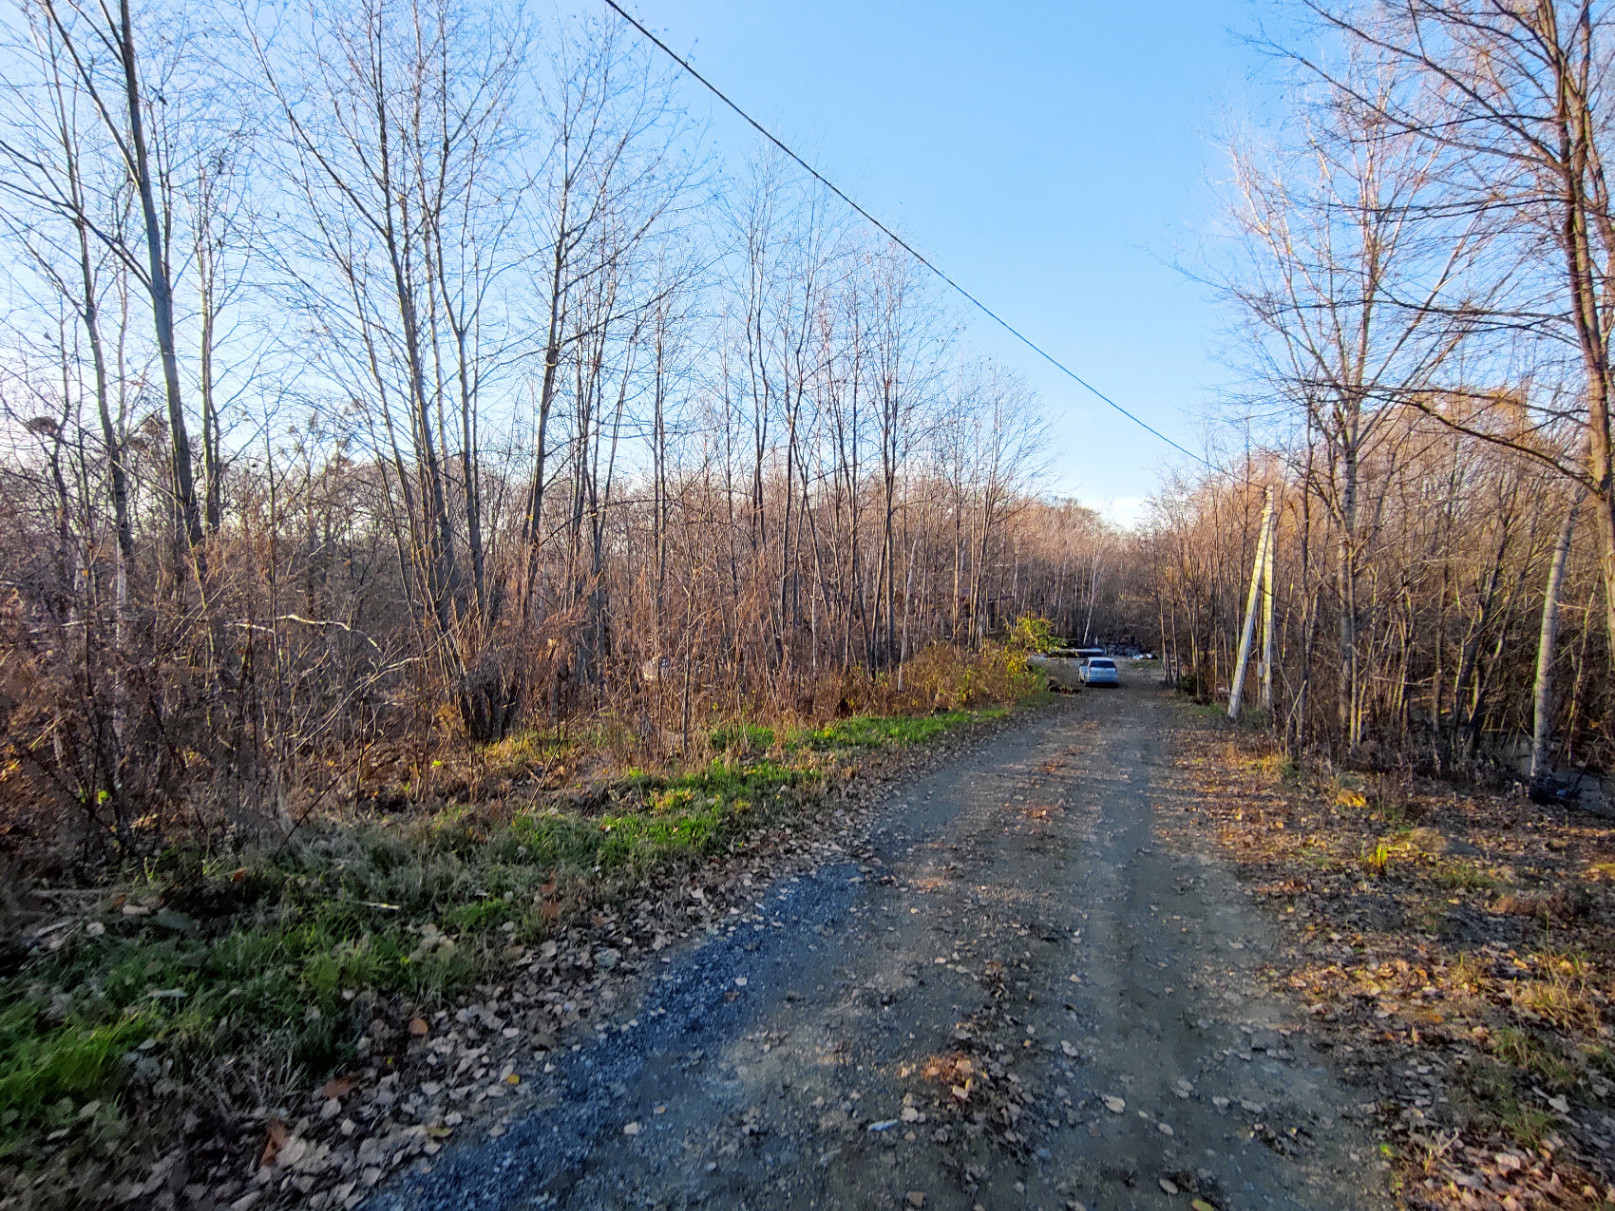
{"x": 1510, "y": 95}
{"x": 1349, "y": 300}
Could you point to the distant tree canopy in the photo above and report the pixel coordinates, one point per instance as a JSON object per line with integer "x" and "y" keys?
{"x": 409, "y": 367}
{"x": 1418, "y": 265}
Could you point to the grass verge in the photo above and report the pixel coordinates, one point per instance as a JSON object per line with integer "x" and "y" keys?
{"x": 216, "y": 981}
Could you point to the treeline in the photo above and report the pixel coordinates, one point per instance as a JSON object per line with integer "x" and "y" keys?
{"x": 1419, "y": 267}
{"x": 410, "y": 369}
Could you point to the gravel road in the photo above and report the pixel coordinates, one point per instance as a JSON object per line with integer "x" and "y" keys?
{"x": 1032, "y": 984}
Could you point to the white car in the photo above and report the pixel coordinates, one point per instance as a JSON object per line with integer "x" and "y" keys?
{"x": 1100, "y": 670}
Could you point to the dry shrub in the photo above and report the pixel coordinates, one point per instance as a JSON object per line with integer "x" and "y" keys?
{"x": 1560, "y": 1001}
{"x": 1568, "y": 905}
{"x": 944, "y": 677}
{"x": 207, "y": 718}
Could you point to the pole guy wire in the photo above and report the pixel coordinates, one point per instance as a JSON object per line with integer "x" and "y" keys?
{"x": 895, "y": 238}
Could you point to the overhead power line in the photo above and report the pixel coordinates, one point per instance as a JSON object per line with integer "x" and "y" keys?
{"x": 897, "y": 239}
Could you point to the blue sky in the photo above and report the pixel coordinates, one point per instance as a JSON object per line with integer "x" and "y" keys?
{"x": 1055, "y": 158}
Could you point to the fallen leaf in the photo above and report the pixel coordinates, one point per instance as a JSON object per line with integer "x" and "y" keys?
{"x": 1201, "y": 1204}
{"x": 337, "y": 1088}
{"x": 418, "y": 1027}
{"x": 274, "y": 1137}
{"x": 1168, "y": 1185}
{"x": 513, "y": 1079}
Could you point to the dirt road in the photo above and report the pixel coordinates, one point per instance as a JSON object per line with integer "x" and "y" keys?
{"x": 1032, "y": 984}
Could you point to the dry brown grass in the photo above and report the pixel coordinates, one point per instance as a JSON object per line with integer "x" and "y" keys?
{"x": 1456, "y": 949}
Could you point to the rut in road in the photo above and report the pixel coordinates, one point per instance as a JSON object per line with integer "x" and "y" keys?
{"x": 1038, "y": 989}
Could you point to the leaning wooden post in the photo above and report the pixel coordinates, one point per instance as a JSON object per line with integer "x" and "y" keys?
{"x": 1265, "y": 669}
{"x": 1236, "y": 691}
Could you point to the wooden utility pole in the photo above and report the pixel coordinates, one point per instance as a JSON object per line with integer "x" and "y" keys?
{"x": 1236, "y": 691}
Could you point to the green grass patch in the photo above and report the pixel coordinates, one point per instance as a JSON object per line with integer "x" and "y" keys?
{"x": 1489, "y": 1101}
{"x": 352, "y": 919}
{"x": 876, "y": 731}
{"x": 1458, "y": 874}
{"x": 47, "y": 1074}
{"x": 741, "y": 737}
{"x": 1489, "y": 1095}
{"x": 666, "y": 818}
{"x": 1541, "y": 1059}
{"x": 265, "y": 968}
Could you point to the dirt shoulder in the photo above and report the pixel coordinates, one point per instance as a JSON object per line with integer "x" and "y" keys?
{"x": 1023, "y": 981}
{"x": 1454, "y": 952}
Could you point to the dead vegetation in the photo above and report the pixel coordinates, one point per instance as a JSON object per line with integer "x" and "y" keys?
{"x": 186, "y": 1119}
{"x": 1453, "y": 947}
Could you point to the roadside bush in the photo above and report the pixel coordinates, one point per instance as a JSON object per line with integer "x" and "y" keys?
{"x": 1031, "y": 633}
{"x": 948, "y": 678}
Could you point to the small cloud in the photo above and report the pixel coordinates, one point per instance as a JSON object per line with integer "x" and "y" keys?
{"x": 1124, "y": 511}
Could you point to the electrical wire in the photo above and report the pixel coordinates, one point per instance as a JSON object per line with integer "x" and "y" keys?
{"x": 897, "y": 239}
